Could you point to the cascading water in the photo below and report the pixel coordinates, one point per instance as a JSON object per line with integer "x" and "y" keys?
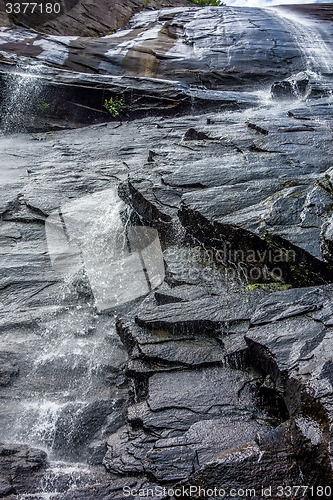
{"x": 73, "y": 392}
{"x": 313, "y": 40}
{"x": 22, "y": 98}
{"x": 70, "y": 374}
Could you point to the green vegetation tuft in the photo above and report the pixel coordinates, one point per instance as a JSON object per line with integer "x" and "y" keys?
{"x": 273, "y": 287}
{"x": 42, "y": 106}
{"x": 115, "y": 105}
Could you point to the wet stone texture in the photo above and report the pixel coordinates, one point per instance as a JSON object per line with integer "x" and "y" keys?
{"x": 291, "y": 336}
{"x": 221, "y": 376}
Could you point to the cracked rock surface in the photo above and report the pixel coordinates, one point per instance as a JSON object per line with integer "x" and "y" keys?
{"x": 222, "y": 375}
{"x": 219, "y": 48}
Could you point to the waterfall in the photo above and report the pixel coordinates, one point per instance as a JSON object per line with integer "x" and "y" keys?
{"x": 73, "y": 386}
{"x": 22, "y": 98}
{"x": 313, "y": 41}
{"x": 121, "y": 262}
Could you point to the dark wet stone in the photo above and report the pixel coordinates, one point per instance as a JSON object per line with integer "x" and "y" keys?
{"x": 196, "y": 413}
{"x": 250, "y": 467}
{"x": 17, "y": 459}
{"x": 193, "y": 135}
{"x": 86, "y": 20}
{"x": 282, "y": 226}
{"x": 185, "y": 332}
{"x": 97, "y": 452}
{"x": 171, "y": 44}
{"x": 5, "y": 487}
{"x": 295, "y": 351}
{"x": 293, "y": 87}
{"x": 9, "y": 369}
{"x": 21, "y": 468}
{"x": 174, "y": 458}
{"x": 78, "y": 424}
{"x": 201, "y": 315}
{"x": 283, "y": 305}
{"x": 185, "y": 293}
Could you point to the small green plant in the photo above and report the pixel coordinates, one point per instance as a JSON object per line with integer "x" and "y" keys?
{"x": 115, "y": 105}
{"x": 206, "y": 3}
{"x": 272, "y": 287}
{"x": 146, "y": 4}
{"x": 42, "y": 106}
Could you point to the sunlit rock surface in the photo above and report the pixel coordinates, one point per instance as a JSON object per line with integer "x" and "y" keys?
{"x": 216, "y": 47}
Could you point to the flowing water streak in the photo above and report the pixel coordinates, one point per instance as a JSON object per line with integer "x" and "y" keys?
{"x": 313, "y": 40}
{"x": 22, "y": 97}
{"x": 78, "y": 357}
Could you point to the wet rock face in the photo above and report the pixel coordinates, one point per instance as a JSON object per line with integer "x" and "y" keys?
{"x": 250, "y": 47}
{"x": 223, "y": 375}
{"x": 270, "y": 450}
{"x": 80, "y": 18}
{"x": 74, "y": 99}
{"x": 191, "y": 408}
{"x": 281, "y": 228}
{"x": 291, "y": 337}
{"x": 294, "y": 86}
{"x": 189, "y": 405}
{"x": 19, "y": 466}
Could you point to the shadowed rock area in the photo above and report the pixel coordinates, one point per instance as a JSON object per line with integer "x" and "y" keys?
{"x": 220, "y": 376}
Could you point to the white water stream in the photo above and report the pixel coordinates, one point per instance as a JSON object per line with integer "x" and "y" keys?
{"x": 314, "y": 39}
{"x": 23, "y": 98}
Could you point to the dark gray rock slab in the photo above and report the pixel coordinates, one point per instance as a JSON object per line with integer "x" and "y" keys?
{"x": 179, "y": 456}
{"x": 295, "y": 349}
{"x": 182, "y": 293}
{"x": 294, "y": 86}
{"x": 20, "y": 466}
{"x": 9, "y": 369}
{"x": 207, "y": 384}
{"x": 79, "y": 19}
{"x": 188, "y": 417}
{"x": 249, "y": 466}
{"x": 167, "y": 43}
{"x": 282, "y": 225}
{"x": 282, "y": 305}
{"x": 201, "y": 315}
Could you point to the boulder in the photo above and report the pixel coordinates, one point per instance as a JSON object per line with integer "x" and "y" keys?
{"x": 264, "y": 463}
{"x": 189, "y": 417}
{"x": 296, "y": 86}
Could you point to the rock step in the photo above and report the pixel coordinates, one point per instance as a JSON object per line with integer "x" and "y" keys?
{"x": 291, "y": 337}
{"x": 188, "y": 418}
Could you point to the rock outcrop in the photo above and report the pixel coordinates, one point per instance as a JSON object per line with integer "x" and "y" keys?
{"x": 222, "y": 376}
{"x": 251, "y": 47}
{"x": 297, "y": 86}
{"x": 81, "y": 18}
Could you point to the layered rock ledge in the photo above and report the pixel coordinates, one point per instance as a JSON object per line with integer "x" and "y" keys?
{"x": 222, "y": 376}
